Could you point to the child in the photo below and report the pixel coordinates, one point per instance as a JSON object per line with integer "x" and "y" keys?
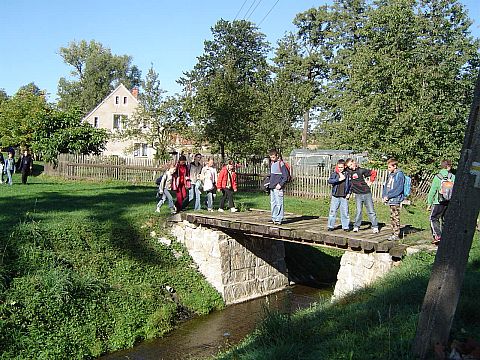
{"x": 393, "y": 195}
{"x": 227, "y": 184}
{"x": 9, "y": 168}
{"x": 2, "y": 165}
{"x": 164, "y": 190}
{"x": 181, "y": 181}
{"x": 340, "y": 194}
{"x": 208, "y": 177}
{"x": 195, "y": 170}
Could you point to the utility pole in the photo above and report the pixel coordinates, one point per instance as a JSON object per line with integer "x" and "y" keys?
{"x": 443, "y": 291}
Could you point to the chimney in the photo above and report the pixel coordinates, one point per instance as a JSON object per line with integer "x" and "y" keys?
{"x": 135, "y": 92}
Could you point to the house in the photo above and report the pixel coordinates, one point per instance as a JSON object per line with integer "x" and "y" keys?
{"x": 110, "y": 113}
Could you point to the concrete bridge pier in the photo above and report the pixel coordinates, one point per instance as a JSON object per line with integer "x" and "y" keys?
{"x": 240, "y": 268}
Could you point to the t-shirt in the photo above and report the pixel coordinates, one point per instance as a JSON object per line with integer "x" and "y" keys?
{"x": 357, "y": 177}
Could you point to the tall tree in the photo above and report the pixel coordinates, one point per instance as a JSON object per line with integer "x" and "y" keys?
{"x": 96, "y": 72}
{"x": 221, "y": 100}
{"x": 156, "y": 119}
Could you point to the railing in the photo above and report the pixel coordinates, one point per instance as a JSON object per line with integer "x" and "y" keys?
{"x": 307, "y": 181}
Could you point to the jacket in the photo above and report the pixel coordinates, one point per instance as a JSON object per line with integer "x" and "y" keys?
{"x": 334, "y": 180}
{"x": 195, "y": 171}
{"x": 432, "y": 198}
{"x": 9, "y": 165}
{"x": 209, "y": 178}
{"x": 222, "y": 179}
{"x": 278, "y": 174}
{"x": 393, "y": 187}
{"x": 166, "y": 182}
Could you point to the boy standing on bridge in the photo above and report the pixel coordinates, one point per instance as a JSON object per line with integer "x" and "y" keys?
{"x": 361, "y": 180}
{"x": 278, "y": 178}
{"x": 340, "y": 193}
{"x": 393, "y": 195}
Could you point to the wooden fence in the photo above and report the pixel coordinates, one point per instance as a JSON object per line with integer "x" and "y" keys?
{"x": 307, "y": 181}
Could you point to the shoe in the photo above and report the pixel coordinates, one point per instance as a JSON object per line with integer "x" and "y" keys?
{"x": 277, "y": 223}
{"x": 329, "y": 229}
{"x": 375, "y": 230}
{"x": 271, "y": 222}
{"x": 211, "y": 210}
{"x": 158, "y": 210}
{"x": 436, "y": 240}
{"x": 393, "y": 238}
{"x": 173, "y": 212}
{"x": 221, "y": 210}
{"x": 355, "y": 229}
{"x": 346, "y": 230}
{"x": 233, "y": 209}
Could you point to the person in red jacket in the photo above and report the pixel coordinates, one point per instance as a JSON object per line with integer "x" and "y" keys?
{"x": 181, "y": 182}
{"x": 227, "y": 184}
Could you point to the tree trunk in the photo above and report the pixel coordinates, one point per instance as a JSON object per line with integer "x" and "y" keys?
{"x": 306, "y": 120}
{"x": 222, "y": 152}
{"x": 443, "y": 291}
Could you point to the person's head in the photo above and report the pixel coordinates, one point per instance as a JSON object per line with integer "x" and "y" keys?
{"x": 341, "y": 165}
{"x": 446, "y": 164}
{"x": 230, "y": 165}
{"x": 10, "y": 154}
{"x": 197, "y": 158}
{"x": 25, "y": 152}
{"x": 172, "y": 168}
{"x": 351, "y": 164}
{"x": 210, "y": 162}
{"x": 274, "y": 156}
{"x": 392, "y": 165}
{"x": 182, "y": 160}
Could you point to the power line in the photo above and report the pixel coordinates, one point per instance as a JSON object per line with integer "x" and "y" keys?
{"x": 269, "y": 11}
{"x": 254, "y": 9}
{"x": 238, "y": 12}
{"x": 248, "y": 10}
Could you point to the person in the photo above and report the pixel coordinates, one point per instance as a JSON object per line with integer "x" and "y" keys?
{"x": 227, "y": 184}
{"x": 195, "y": 170}
{"x": 361, "y": 179}
{"x": 434, "y": 203}
{"x": 2, "y": 166}
{"x": 208, "y": 177}
{"x": 278, "y": 177}
{"x": 393, "y": 195}
{"x": 164, "y": 190}
{"x": 9, "y": 167}
{"x": 181, "y": 181}
{"x": 25, "y": 165}
{"x": 340, "y": 192}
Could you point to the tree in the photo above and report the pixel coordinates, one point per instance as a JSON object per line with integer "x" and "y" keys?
{"x": 96, "y": 73}
{"x": 156, "y": 119}
{"x": 221, "y": 90}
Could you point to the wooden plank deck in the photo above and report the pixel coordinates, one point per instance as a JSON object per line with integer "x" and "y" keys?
{"x": 300, "y": 229}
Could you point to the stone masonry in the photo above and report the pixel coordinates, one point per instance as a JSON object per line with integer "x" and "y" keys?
{"x": 240, "y": 268}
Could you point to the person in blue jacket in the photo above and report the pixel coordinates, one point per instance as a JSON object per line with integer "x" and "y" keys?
{"x": 9, "y": 167}
{"x": 393, "y": 195}
{"x": 340, "y": 194}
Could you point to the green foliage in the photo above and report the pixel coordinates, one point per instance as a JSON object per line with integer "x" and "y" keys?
{"x": 96, "y": 71}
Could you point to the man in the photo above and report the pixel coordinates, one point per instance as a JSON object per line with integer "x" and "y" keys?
{"x": 393, "y": 195}
{"x": 278, "y": 178}
{"x": 436, "y": 201}
{"x": 25, "y": 165}
{"x": 361, "y": 179}
{"x": 340, "y": 193}
{"x": 195, "y": 171}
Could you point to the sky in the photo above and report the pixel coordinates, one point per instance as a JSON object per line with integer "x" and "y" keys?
{"x": 166, "y": 34}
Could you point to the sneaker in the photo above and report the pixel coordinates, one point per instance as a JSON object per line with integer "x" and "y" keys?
{"x": 277, "y": 223}
{"x": 329, "y": 229}
{"x": 158, "y": 210}
{"x": 375, "y": 230}
{"x": 173, "y": 212}
{"x": 436, "y": 240}
{"x": 355, "y": 229}
{"x": 211, "y": 210}
{"x": 221, "y": 210}
{"x": 233, "y": 209}
{"x": 346, "y": 230}
{"x": 393, "y": 238}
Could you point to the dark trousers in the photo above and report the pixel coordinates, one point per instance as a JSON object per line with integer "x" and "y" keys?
{"x": 436, "y": 219}
{"x": 25, "y": 176}
{"x": 226, "y": 194}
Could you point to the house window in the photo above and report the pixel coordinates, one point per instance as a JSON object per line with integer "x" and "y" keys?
{"x": 95, "y": 121}
{"x": 118, "y": 121}
{"x": 124, "y": 100}
{"x": 117, "y": 100}
{"x": 140, "y": 150}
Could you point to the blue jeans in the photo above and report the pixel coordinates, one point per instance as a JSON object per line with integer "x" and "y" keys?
{"x": 335, "y": 203}
{"x": 276, "y": 204}
{"x": 368, "y": 201}
{"x": 194, "y": 192}
{"x": 9, "y": 176}
{"x": 209, "y": 199}
{"x": 167, "y": 196}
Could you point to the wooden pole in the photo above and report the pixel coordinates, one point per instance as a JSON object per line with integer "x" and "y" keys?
{"x": 443, "y": 291}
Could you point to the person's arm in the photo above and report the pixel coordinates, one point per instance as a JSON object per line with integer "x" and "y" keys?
{"x": 398, "y": 185}
{"x": 433, "y": 191}
{"x": 334, "y": 176}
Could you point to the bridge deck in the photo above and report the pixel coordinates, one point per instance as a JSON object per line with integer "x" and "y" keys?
{"x": 301, "y": 229}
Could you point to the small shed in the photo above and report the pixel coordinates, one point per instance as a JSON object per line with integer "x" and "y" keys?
{"x": 324, "y": 158}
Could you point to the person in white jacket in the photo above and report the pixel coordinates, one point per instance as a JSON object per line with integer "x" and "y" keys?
{"x": 164, "y": 190}
{"x": 208, "y": 176}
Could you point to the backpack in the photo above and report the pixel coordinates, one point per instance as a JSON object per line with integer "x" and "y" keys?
{"x": 289, "y": 171}
{"x": 158, "y": 180}
{"x": 446, "y": 188}
{"x": 407, "y": 186}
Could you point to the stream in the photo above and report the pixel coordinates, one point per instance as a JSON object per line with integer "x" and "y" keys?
{"x": 207, "y": 335}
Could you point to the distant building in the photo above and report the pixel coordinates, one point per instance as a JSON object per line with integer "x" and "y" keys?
{"x": 324, "y": 158}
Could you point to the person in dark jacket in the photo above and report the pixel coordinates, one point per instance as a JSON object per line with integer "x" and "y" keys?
{"x": 2, "y": 166}
{"x": 393, "y": 195}
{"x": 278, "y": 179}
{"x": 25, "y": 165}
{"x": 361, "y": 179}
{"x": 340, "y": 194}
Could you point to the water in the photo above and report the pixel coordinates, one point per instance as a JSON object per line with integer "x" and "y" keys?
{"x": 207, "y": 335}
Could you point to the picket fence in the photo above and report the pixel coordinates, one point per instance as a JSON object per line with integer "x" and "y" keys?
{"x": 307, "y": 181}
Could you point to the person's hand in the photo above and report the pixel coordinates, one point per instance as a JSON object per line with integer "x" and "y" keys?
{"x": 341, "y": 177}
{"x": 369, "y": 183}
{"x": 385, "y": 199}
{"x": 235, "y": 190}
{"x": 429, "y": 207}
{"x": 278, "y": 187}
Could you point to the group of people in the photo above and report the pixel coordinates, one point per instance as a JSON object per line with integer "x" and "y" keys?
{"x": 8, "y": 166}
{"x": 189, "y": 180}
